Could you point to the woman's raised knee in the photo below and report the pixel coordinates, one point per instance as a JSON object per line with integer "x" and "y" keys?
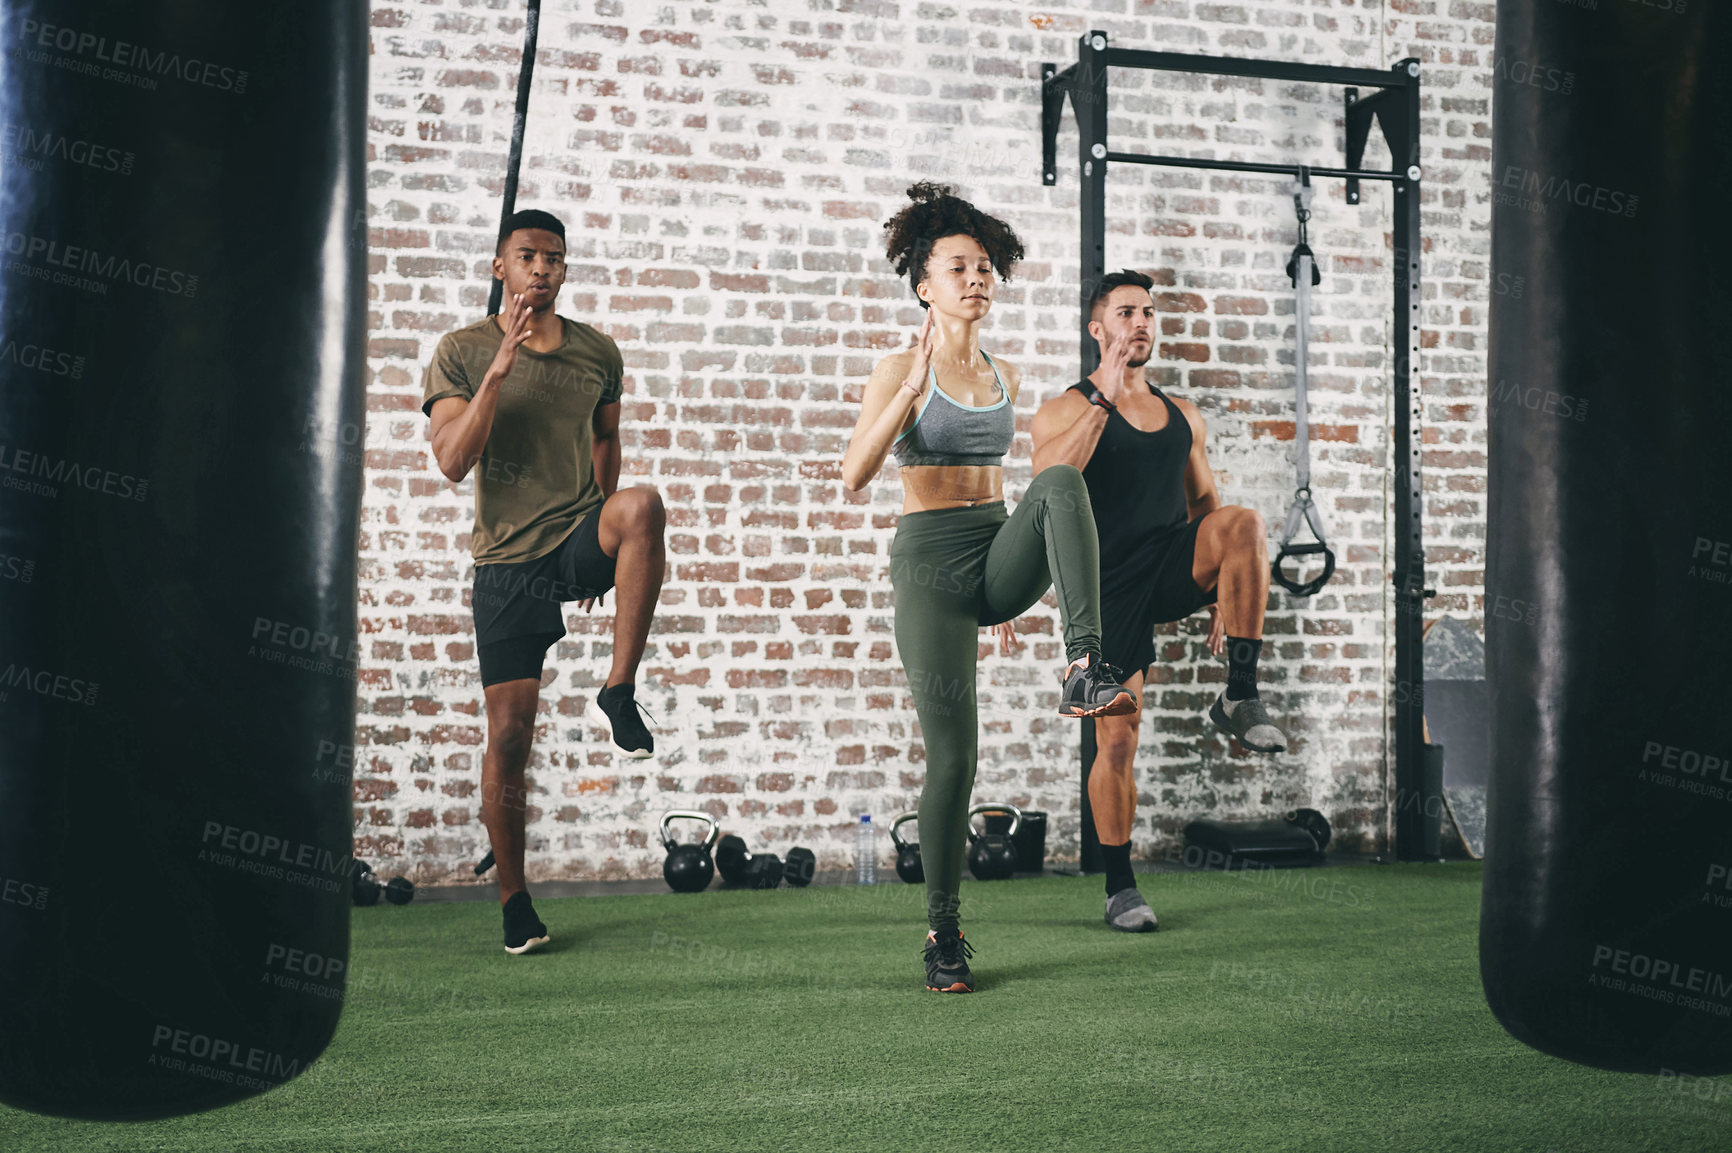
{"x": 1063, "y": 488}
{"x": 1061, "y": 474}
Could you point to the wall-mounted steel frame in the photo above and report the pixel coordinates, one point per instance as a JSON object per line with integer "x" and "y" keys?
{"x": 1394, "y": 106}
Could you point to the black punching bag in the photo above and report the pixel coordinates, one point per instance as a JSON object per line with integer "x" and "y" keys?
{"x": 181, "y": 351}
{"x": 1606, "y": 920}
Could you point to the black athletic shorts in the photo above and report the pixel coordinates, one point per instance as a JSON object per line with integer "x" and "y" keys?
{"x": 1163, "y": 590}
{"x": 517, "y": 607}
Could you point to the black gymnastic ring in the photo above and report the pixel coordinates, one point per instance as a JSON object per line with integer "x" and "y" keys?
{"x": 1313, "y": 586}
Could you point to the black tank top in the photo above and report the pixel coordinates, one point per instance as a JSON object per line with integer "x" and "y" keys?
{"x": 1136, "y": 483}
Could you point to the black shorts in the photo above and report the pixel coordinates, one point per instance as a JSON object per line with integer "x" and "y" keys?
{"x": 1161, "y": 590}
{"x": 517, "y": 606}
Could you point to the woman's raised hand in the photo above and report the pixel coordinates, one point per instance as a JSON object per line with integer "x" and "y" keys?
{"x": 919, "y": 370}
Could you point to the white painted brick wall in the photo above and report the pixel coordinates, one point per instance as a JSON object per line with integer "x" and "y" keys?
{"x": 724, "y": 169}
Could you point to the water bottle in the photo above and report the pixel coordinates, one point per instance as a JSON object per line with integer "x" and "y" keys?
{"x": 865, "y": 853}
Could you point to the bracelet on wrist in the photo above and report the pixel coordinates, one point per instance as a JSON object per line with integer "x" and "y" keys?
{"x": 1098, "y": 398}
{"x": 912, "y": 388}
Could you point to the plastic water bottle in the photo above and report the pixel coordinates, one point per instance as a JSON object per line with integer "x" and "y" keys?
{"x": 865, "y": 853}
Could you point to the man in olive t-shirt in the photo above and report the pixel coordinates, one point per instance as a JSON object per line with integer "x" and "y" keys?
{"x": 529, "y": 401}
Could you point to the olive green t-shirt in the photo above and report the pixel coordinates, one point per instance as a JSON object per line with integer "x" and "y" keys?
{"x": 535, "y": 480}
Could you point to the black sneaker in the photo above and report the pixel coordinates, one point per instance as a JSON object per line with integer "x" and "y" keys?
{"x": 947, "y": 962}
{"x": 616, "y": 710}
{"x": 1092, "y": 689}
{"x": 523, "y": 929}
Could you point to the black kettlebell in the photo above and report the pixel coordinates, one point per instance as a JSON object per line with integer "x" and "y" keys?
{"x": 908, "y": 865}
{"x": 688, "y": 868}
{"x": 992, "y": 856}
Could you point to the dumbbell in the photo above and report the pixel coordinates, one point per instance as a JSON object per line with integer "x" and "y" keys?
{"x": 1312, "y": 822}
{"x": 797, "y": 870}
{"x": 738, "y": 866}
{"x": 366, "y": 888}
{"x": 908, "y": 865}
{"x": 688, "y": 868}
{"x": 992, "y": 856}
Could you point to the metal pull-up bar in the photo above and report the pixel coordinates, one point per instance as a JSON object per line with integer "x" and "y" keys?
{"x": 1394, "y": 105}
{"x": 1292, "y": 170}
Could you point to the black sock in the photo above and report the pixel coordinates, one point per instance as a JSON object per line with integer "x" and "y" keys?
{"x": 1242, "y": 655}
{"x": 1118, "y": 861}
{"x": 625, "y": 690}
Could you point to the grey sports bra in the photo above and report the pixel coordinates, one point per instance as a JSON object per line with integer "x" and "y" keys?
{"x": 954, "y": 433}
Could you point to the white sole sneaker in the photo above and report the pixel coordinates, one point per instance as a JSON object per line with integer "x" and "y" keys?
{"x": 1248, "y": 722}
{"x": 1132, "y": 915}
{"x": 532, "y": 943}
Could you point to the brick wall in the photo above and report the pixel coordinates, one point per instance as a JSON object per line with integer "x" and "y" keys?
{"x": 723, "y": 169}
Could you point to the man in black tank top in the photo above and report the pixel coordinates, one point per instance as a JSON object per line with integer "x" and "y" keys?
{"x": 1168, "y": 547}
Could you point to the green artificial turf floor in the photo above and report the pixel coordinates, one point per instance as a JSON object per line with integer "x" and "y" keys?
{"x": 1335, "y": 1009}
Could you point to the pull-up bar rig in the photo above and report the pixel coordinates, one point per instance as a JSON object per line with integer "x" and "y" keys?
{"x": 1394, "y": 106}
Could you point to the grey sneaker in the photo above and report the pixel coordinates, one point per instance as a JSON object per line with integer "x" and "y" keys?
{"x": 947, "y": 962}
{"x": 1092, "y": 689}
{"x": 1247, "y": 722}
{"x": 1129, "y": 913}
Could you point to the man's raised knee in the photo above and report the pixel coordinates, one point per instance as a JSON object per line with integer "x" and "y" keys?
{"x": 634, "y": 513}
{"x": 646, "y": 506}
{"x": 1248, "y": 525}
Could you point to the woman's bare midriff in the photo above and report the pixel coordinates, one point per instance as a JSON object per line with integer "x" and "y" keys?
{"x": 926, "y": 487}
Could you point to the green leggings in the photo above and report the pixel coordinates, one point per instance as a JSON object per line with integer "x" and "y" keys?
{"x": 955, "y": 570}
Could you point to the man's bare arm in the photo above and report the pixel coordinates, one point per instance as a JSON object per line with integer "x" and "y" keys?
{"x": 1066, "y": 430}
{"x": 461, "y": 427}
{"x": 605, "y": 455}
{"x": 1201, "y": 496}
{"x": 460, "y": 431}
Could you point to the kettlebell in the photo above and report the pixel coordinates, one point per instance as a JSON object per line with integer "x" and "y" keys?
{"x": 992, "y": 856}
{"x": 688, "y": 868}
{"x": 908, "y": 865}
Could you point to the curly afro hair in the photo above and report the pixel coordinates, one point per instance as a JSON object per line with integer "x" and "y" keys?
{"x": 934, "y": 214}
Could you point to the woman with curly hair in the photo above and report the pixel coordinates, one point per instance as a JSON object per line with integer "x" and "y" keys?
{"x": 959, "y": 561}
